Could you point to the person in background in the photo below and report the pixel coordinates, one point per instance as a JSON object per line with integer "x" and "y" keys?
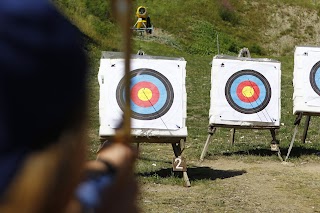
{"x": 43, "y": 120}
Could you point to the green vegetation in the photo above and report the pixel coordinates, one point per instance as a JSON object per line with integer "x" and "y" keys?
{"x": 189, "y": 29}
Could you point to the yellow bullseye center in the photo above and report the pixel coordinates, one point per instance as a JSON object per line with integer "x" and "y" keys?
{"x": 247, "y": 91}
{"x": 145, "y": 94}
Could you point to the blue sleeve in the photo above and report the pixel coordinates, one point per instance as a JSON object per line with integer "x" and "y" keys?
{"x": 90, "y": 191}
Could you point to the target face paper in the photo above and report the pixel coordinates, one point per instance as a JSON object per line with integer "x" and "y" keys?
{"x": 157, "y": 93}
{"x": 248, "y": 91}
{"x": 306, "y": 80}
{"x": 151, "y": 95}
{"x": 315, "y": 78}
{"x": 245, "y": 92}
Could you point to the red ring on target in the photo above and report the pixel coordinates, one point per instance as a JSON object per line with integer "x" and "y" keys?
{"x": 248, "y": 91}
{"x": 145, "y": 94}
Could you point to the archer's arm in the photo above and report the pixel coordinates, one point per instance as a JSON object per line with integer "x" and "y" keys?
{"x": 109, "y": 185}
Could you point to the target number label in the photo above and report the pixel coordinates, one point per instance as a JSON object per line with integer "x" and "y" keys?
{"x": 248, "y": 91}
{"x": 179, "y": 164}
{"x": 315, "y": 77}
{"x": 151, "y": 94}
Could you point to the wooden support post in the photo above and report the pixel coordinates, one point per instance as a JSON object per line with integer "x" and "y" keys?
{"x": 233, "y": 133}
{"x": 205, "y": 148}
{"x": 211, "y": 131}
{"x": 186, "y": 179}
{"x": 296, "y": 125}
{"x": 273, "y": 134}
{"x": 274, "y": 143}
{"x": 176, "y": 149}
{"x": 177, "y": 152}
{"x": 305, "y": 130}
{"x": 292, "y": 140}
{"x": 212, "y": 128}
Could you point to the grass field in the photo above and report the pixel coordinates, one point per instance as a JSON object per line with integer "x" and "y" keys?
{"x": 245, "y": 177}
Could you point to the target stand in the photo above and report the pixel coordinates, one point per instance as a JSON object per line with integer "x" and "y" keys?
{"x": 158, "y": 101}
{"x": 306, "y": 84}
{"x": 245, "y": 94}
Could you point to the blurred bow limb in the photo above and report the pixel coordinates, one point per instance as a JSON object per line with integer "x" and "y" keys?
{"x": 122, "y": 10}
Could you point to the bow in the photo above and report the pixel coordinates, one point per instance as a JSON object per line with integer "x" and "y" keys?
{"x": 122, "y": 11}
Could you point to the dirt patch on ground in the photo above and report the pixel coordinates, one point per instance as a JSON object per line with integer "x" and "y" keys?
{"x": 226, "y": 185}
{"x": 289, "y": 26}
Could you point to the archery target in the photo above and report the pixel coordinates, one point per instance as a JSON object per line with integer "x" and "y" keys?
{"x": 157, "y": 95}
{"x": 245, "y": 91}
{"x": 248, "y": 92}
{"x": 151, "y": 94}
{"x": 306, "y": 80}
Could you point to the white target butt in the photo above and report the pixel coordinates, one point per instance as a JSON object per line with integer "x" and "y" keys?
{"x": 157, "y": 92}
{"x": 245, "y": 92}
{"x": 306, "y": 80}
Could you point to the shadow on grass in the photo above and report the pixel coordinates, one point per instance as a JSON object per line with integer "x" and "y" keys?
{"x": 196, "y": 173}
{"x": 295, "y": 152}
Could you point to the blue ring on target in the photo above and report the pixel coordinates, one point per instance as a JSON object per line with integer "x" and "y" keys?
{"x": 254, "y": 79}
{"x": 161, "y": 101}
{"x": 315, "y": 77}
{"x": 163, "y": 85}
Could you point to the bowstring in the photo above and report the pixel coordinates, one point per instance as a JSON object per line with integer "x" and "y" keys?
{"x": 155, "y": 110}
{"x": 262, "y": 111}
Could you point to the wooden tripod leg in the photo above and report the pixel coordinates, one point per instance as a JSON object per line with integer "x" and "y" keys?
{"x": 176, "y": 149}
{"x": 273, "y": 134}
{"x": 274, "y": 143}
{"x": 177, "y": 152}
{"x": 305, "y": 130}
{"x": 296, "y": 125}
{"x": 292, "y": 140}
{"x": 233, "y": 134}
{"x": 186, "y": 179}
{"x": 206, "y": 145}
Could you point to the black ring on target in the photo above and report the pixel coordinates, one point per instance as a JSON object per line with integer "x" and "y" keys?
{"x": 149, "y": 105}
{"x": 315, "y": 77}
{"x": 248, "y": 91}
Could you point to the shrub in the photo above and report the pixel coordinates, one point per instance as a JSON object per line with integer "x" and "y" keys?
{"x": 257, "y": 49}
{"x": 228, "y": 13}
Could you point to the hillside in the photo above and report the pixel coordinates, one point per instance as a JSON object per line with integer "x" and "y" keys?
{"x": 270, "y": 27}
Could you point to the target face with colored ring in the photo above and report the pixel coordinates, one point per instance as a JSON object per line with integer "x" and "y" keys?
{"x": 315, "y": 78}
{"x": 151, "y": 94}
{"x": 248, "y": 91}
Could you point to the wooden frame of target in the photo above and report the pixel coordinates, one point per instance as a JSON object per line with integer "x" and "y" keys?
{"x": 158, "y": 99}
{"x": 245, "y": 93}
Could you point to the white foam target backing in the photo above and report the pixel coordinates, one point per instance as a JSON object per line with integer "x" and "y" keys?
{"x": 157, "y": 93}
{"x": 245, "y": 91}
{"x": 306, "y": 80}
